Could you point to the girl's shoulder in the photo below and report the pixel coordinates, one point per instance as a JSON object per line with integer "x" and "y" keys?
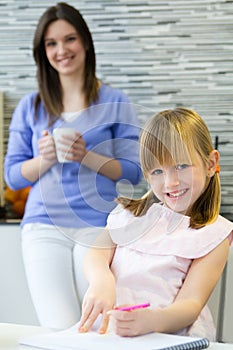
{"x": 119, "y": 216}
{"x": 162, "y": 231}
{"x": 126, "y": 228}
{"x": 222, "y": 222}
{"x": 179, "y": 239}
{"x": 222, "y": 226}
{"x": 195, "y": 243}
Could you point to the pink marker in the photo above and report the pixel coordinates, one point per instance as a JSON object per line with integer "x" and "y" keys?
{"x": 132, "y": 307}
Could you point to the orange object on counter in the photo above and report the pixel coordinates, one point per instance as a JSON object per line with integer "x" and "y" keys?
{"x": 17, "y": 198}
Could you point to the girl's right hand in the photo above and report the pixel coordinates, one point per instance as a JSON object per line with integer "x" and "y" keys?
{"x": 47, "y": 147}
{"x": 99, "y": 299}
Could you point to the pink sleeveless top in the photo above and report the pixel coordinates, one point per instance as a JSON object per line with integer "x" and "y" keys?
{"x": 154, "y": 253}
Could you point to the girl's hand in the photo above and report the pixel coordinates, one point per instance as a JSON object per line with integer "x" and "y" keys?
{"x": 99, "y": 299}
{"x": 132, "y": 323}
{"x": 47, "y": 147}
{"x": 74, "y": 147}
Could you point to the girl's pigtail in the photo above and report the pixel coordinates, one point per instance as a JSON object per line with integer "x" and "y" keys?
{"x": 138, "y": 207}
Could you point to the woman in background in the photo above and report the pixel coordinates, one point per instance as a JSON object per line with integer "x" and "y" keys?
{"x": 73, "y": 198}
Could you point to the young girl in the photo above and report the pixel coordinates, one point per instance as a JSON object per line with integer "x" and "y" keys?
{"x": 168, "y": 248}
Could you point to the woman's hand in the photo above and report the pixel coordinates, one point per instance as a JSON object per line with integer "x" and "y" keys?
{"x": 73, "y": 147}
{"x": 99, "y": 299}
{"x": 47, "y": 147}
{"x": 35, "y": 167}
{"x": 132, "y": 323}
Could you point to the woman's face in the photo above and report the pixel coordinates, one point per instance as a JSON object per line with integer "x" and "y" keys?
{"x": 178, "y": 186}
{"x": 64, "y": 48}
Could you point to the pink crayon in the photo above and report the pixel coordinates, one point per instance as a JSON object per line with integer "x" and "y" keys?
{"x": 132, "y": 307}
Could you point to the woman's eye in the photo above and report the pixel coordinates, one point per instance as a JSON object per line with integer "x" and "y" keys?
{"x": 182, "y": 166}
{"x": 50, "y": 43}
{"x": 71, "y": 38}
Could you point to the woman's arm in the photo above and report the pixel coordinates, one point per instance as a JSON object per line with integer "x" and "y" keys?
{"x": 103, "y": 165}
{"x": 114, "y": 169}
{"x": 34, "y": 168}
{"x": 200, "y": 281}
{"x": 23, "y": 165}
{"x": 101, "y": 294}
{"x": 30, "y": 170}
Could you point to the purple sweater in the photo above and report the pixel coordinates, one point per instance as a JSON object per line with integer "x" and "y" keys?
{"x": 69, "y": 194}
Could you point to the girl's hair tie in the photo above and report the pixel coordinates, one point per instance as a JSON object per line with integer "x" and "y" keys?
{"x": 217, "y": 170}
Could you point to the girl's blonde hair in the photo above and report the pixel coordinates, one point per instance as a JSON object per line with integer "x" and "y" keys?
{"x": 178, "y": 136}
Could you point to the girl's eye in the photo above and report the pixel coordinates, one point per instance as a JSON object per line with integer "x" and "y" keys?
{"x": 182, "y": 166}
{"x": 157, "y": 172}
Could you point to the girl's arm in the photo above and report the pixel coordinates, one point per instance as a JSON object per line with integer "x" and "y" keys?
{"x": 101, "y": 294}
{"x": 200, "y": 281}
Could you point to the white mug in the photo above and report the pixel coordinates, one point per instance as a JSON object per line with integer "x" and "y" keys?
{"x": 57, "y": 135}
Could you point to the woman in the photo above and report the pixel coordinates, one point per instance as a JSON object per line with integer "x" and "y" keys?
{"x": 74, "y": 197}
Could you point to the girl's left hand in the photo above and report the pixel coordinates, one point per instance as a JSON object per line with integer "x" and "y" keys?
{"x": 132, "y": 323}
{"x": 100, "y": 297}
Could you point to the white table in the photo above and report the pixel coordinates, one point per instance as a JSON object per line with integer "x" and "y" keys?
{"x": 10, "y": 333}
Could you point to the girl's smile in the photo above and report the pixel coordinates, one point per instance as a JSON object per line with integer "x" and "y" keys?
{"x": 176, "y": 194}
{"x": 178, "y": 186}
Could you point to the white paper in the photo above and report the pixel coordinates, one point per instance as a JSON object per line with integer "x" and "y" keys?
{"x": 72, "y": 340}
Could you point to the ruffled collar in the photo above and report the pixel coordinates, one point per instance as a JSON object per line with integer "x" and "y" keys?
{"x": 131, "y": 228}
{"x": 165, "y": 232}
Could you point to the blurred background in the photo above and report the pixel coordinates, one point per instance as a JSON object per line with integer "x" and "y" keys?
{"x": 163, "y": 54}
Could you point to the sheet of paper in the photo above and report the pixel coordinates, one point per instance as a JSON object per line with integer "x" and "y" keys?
{"x": 70, "y": 339}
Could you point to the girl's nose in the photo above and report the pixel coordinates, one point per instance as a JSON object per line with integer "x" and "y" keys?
{"x": 171, "y": 179}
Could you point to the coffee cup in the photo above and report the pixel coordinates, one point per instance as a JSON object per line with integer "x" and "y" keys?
{"x": 58, "y": 133}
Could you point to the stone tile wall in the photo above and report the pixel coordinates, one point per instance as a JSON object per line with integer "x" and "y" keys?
{"x": 161, "y": 53}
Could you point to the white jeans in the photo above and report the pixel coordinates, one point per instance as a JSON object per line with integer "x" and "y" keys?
{"x": 53, "y": 266}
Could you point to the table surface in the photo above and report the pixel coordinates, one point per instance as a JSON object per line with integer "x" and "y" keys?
{"x": 10, "y": 333}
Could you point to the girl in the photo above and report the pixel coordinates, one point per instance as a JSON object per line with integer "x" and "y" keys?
{"x": 79, "y": 194}
{"x": 168, "y": 248}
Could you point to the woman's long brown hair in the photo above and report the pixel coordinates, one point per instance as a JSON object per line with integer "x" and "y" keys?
{"x": 50, "y": 91}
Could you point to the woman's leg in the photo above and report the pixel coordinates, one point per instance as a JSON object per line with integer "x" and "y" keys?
{"x": 47, "y": 256}
{"x": 80, "y": 280}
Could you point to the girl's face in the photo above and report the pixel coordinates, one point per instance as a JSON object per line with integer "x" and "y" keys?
{"x": 178, "y": 186}
{"x": 64, "y": 48}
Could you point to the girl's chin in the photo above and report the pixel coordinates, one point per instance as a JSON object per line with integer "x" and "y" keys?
{"x": 177, "y": 207}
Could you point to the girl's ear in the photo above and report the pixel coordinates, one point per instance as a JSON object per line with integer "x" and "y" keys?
{"x": 213, "y": 163}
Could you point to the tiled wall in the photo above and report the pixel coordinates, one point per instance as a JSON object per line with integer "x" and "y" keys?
{"x": 161, "y": 53}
